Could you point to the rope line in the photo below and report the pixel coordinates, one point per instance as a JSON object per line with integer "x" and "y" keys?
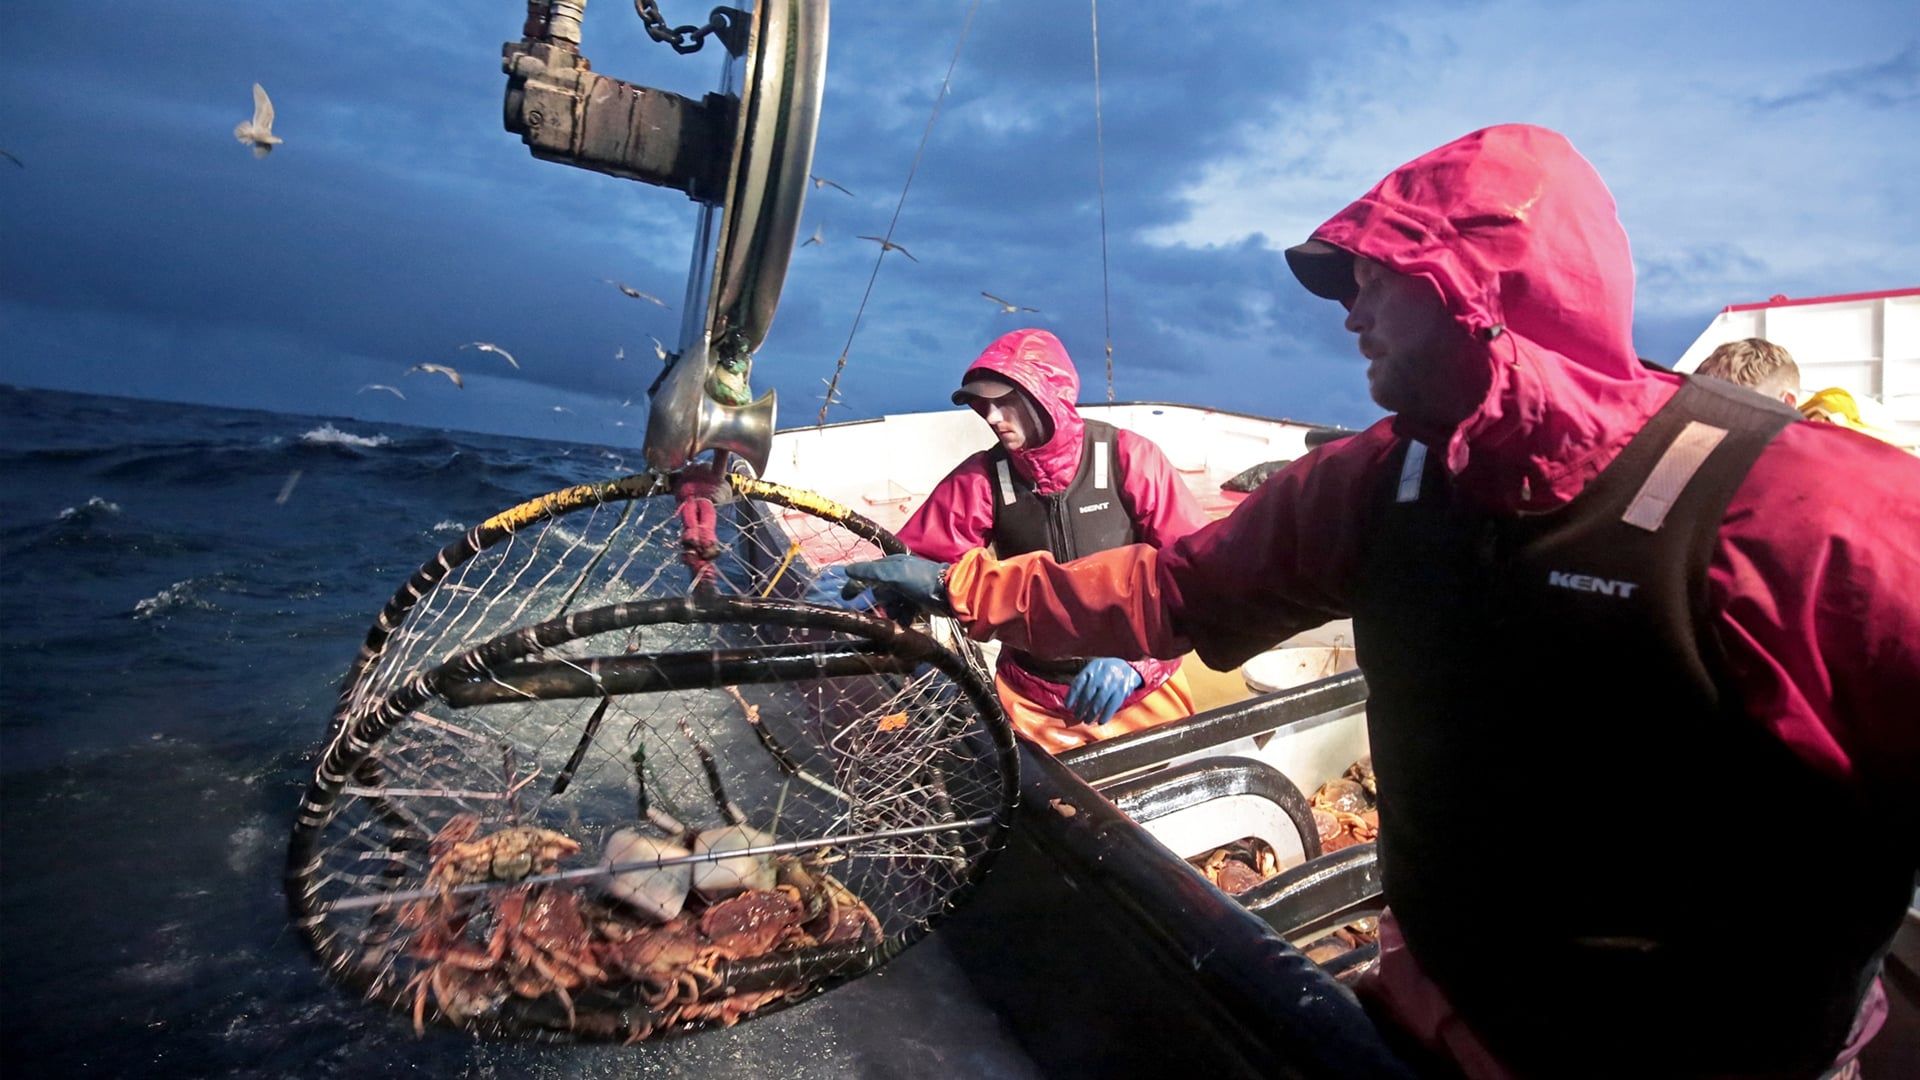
{"x": 840, "y": 365}
{"x": 1100, "y": 143}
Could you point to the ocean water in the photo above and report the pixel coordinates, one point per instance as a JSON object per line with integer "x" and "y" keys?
{"x": 181, "y": 590}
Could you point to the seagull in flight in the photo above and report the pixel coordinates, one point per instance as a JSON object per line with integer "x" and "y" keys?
{"x": 488, "y": 346}
{"x": 817, "y": 238}
{"x": 382, "y": 386}
{"x": 258, "y": 132}
{"x": 659, "y": 349}
{"x": 821, "y": 181}
{"x": 620, "y": 353}
{"x": 888, "y": 245}
{"x": 1008, "y": 307}
{"x": 439, "y": 369}
{"x": 636, "y": 293}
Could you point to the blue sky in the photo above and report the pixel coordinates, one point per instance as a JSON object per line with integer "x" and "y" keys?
{"x": 1754, "y": 149}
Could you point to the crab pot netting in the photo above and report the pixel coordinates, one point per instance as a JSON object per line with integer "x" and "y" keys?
{"x": 553, "y": 686}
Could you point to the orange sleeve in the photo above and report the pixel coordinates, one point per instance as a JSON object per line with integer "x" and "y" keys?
{"x": 1107, "y": 604}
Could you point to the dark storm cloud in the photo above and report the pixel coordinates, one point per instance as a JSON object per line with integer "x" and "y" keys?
{"x": 146, "y": 252}
{"x": 1890, "y": 84}
{"x": 1006, "y": 197}
{"x": 1673, "y": 269}
{"x": 399, "y": 220}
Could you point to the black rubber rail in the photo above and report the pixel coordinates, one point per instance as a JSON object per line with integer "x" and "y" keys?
{"x": 1351, "y": 961}
{"x": 1283, "y": 1011}
{"x": 1191, "y": 783}
{"x": 1318, "y": 892}
{"x": 612, "y": 675}
{"x": 1340, "y": 695}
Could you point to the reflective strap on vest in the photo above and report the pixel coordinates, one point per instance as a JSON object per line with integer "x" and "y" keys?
{"x": 1410, "y": 471}
{"x": 1006, "y": 483}
{"x": 1663, "y": 485}
{"x": 1100, "y": 466}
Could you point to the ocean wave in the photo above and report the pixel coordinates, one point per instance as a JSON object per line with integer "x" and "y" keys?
{"x": 179, "y": 596}
{"x": 327, "y": 434}
{"x": 93, "y": 507}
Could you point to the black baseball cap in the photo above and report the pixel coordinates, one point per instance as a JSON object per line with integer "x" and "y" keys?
{"x": 1324, "y": 269}
{"x": 983, "y": 385}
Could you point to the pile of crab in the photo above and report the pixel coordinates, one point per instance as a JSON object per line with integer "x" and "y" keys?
{"x": 1344, "y": 814}
{"x": 633, "y": 954}
{"x": 1238, "y": 866}
{"x": 1346, "y": 809}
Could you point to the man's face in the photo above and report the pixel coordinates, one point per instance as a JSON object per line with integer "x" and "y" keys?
{"x": 1013, "y": 421}
{"x": 1420, "y": 363}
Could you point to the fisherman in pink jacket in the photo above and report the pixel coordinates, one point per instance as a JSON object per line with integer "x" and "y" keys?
{"x": 1069, "y": 486}
{"x": 1683, "y": 630}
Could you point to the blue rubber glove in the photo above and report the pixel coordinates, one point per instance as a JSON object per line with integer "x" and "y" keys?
{"x": 1100, "y": 689}
{"x": 900, "y": 580}
{"x": 829, "y": 590}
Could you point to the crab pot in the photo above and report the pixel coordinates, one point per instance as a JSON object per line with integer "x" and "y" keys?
{"x": 795, "y": 793}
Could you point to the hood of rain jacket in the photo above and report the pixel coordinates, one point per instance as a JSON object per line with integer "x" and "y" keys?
{"x": 1037, "y": 363}
{"x": 1520, "y": 236}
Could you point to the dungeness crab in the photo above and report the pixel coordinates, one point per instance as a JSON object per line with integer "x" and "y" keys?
{"x": 650, "y": 953}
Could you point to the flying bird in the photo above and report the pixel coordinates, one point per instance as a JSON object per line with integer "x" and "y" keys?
{"x": 439, "y": 369}
{"x": 395, "y": 391}
{"x": 620, "y": 353}
{"x": 488, "y": 346}
{"x": 821, "y": 181}
{"x": 258, "y": 132}
{"x": 1007, "y": 306}
{"x": 816, "y": 238}
{"x": 659, "y": 349}
{"x": 13, "y": 159}
{"x": 888, "y": 245}
{"x": 636, "y": 293}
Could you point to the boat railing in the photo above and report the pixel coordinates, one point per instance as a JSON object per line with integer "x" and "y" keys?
{"x": 1089, "y": 923}
{"x": 1335, "y": 697}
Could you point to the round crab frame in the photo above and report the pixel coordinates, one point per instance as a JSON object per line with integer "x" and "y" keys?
{"x": 500, "y": 716}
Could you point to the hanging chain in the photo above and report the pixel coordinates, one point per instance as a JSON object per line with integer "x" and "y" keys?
{"x": 724, "y": 21}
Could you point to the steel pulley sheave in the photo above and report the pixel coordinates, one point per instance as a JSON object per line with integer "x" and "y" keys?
{"x": 602, "y": 769}
{"x": 743, "y": 244}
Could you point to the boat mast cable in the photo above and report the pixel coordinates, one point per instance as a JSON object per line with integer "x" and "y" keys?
{"x": 1100, "y": 154}
{"x": 886, "y": 244}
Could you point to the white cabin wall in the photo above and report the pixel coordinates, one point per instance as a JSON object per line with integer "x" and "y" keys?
{"x": 886, "y": 468}
{"x": 1870, "y": 347}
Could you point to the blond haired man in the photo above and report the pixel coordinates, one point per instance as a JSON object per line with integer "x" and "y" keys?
{"x": 1758, "y": 364}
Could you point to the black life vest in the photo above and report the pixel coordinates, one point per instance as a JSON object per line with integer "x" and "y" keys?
{"x": 1609, "y": 867}
{"x": 1087, "y": 517}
